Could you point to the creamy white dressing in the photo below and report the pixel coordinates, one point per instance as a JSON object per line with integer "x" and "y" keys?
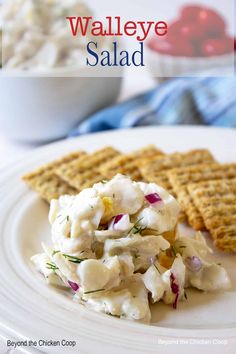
{"x": 109, "y": 246}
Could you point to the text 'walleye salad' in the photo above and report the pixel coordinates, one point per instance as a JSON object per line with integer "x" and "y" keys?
{"x": 116, "y": 246}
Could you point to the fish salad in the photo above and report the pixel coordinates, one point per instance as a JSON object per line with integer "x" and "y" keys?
{"x": 117, "y": 248}
{"x": 35, "y": 34}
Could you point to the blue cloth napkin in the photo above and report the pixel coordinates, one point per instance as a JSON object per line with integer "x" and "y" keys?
{"x": 201, "y": 100}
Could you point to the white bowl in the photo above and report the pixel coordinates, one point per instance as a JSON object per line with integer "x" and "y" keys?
{"x": 40, "y": 109}
{"x": 167, "y": 66}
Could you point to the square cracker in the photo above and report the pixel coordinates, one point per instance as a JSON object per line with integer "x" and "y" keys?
{"x": 129, "y": 164}
{"x": 216, "y": 201}
{"x": 84, "y": 172}
{"x": 156, "y": 170}
{"x": 180, "y": 179}
{"x": 46, "y": 183}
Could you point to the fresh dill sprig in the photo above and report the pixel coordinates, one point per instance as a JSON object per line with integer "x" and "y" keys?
{"x": 52, "y": 266}
{"x": 137, "y": 228}
{"x": 173, "y": 250}
{"x": 157, "y": 268}
{"x": 73, "y": 259}
{"x": 93, "y": 291}
{"x": 55, "y": 252}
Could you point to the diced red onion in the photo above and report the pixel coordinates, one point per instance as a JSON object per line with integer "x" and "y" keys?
{"x": 120, "y": 218}
{"x": 174, "y": 286}
{"x": 176, "y": 301}
{"x": 153, "y": 198}
{"x": 175, "y": 289}
{"x": 117, "y": 218}
{"x": 74, "y": 286}
{"x": 193, "y": 263}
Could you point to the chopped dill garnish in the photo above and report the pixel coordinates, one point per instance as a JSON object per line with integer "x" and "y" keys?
{"x": 110, "y": 314}
{"x": 173, "y": 250}
{"x": 52, "y": 266}
{"x": 157, "y": 268}
{"x": 67, "y": 219}
{"x": 73, "y": 259}
{"x": 93, "y": 291}
{"x": 137, "y": 228}
{"x": 55, "y": 252}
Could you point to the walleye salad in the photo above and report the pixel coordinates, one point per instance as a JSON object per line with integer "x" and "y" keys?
{"x": 117, "y": 247}
{"x": 35, "y": 34}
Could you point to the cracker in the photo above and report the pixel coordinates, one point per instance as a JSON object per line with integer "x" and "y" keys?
{"x": 216, "y": 202}
{"x": 180, "y": 178}
{"x": 156, "y": 170}
{"x": 146, "y": 154}
{"x": 128, "y": 164}
{"x": 49, "y": 186}
{"x": 84, "y": 171}
{"x": 46, "y": 183}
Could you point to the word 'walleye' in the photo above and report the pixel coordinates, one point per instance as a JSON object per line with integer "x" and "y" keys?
{"x": 115, "y": 27}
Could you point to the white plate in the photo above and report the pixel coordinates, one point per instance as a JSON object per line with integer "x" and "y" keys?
{"x": 29, "y": 309}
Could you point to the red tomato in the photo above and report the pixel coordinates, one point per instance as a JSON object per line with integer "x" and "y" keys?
{"x": 213, "y": 47}
{"x": 211, "y": 22}
{"x": 190, "y": 13}
{"x": 191, "y": 32}
{"x": 187, "y": 30}
{"x": 172, "y": 46}
{"x": 174, "y": 28}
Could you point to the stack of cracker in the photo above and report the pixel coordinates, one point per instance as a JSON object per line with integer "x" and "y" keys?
{"x": 215, "y": 201}
{"x": 79, "y": 170}
{"x": 45, "y": 181}
{"x": 205, "y": 189}
{"x": 157, "y": 170}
